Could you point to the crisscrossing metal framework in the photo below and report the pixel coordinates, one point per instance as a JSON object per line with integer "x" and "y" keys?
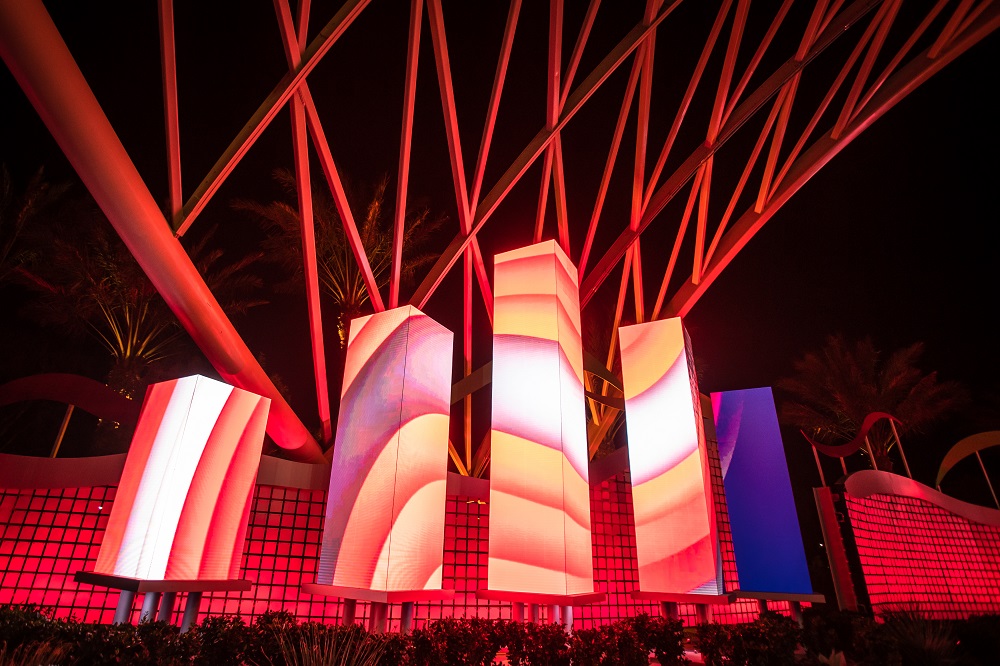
{"x": 661, "y": 136}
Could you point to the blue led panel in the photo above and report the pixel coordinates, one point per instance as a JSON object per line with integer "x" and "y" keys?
{"x": 765, "y": 526}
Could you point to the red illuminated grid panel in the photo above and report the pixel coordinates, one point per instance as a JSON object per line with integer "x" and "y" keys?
{"x": 915, "y": 555}
{"x": 46, "y": 536}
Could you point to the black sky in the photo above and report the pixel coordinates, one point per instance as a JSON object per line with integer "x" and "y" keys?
{"x": 892, "y": 239}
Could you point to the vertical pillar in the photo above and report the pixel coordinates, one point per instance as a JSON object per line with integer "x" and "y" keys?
{"x": 532, "y": 613}
{"x": 349, "y": 608}
{"x": 796, "y": 608}
{"x": 191, "y": 608}
{"x": 150, "y": 604}
{"x": 668, "y": 609}
{"x": 377, "y": 614}
{"x": 703, "y": 612}
{"x": 406, "y": 617}
{"x": 567, "y": 618}
{"x": 553, "y": 613}
{"x": 166, "y": 607}
{"x": 517, "y": 611}
{"x": 124, "y": 610}
{"x": 762, "y": 605}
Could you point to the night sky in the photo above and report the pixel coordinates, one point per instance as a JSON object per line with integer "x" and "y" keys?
{"x": 889, "y": 240}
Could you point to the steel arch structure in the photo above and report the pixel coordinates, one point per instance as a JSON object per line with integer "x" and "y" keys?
{"x": 756, "y": 100}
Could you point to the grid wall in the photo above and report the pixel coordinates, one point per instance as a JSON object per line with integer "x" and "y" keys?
{"x": 915, "y": 555}
{"x": 50, "y": 534}
{"x": 46, "y": 536}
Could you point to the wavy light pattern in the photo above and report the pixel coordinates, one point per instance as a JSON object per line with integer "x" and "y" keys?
{"x": 181, "y": 508}
{"x": 677, "y": 546}
{"x": 767, "y": 541}
{"x": 540, "y": 538}
{"x": 384, "y": 526}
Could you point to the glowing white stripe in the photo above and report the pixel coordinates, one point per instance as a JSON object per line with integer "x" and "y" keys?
{"x": 187, "y": 423}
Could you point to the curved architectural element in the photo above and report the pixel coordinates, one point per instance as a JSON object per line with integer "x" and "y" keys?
{"x": 921, "y": 550}
{"x": 87, "y": 394}
{"x": 964, "y": 448}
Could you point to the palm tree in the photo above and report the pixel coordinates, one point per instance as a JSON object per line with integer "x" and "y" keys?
{"x": 18, "y": 211}
{"x": 835, "y": 388}
{"x": 86, "y": 280}
{"x": 339, "y": 275}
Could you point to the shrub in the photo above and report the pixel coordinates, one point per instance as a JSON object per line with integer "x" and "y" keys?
{"x": 317, "y": 644}
{"x": 769, "y": 640}
{"x": 472, "y": 641}
{"x": 531, "y": 644}
{"x": 20, "y": 625}
{"x": 223, "y": 640}
{"x": 979, "y": 639}
{"x": 711, "y": 639}
{"x": 263, "y": 637}
{"x": 661, "y": 636}
{"x": 39, "y": 653}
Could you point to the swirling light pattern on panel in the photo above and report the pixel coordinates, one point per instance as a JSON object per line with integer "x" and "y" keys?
{"x": 675, "y": 533}
{"x": 540, "y": 540}
{"x": 384, "y": 526}
{"x": 182, "y": 505}
{"x": 766, "y": 536}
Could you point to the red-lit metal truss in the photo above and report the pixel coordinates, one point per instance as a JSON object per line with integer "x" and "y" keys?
{"x": 698, "y": 120}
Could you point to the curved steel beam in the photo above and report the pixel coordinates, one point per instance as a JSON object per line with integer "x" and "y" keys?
{"x": 33, "y": 49}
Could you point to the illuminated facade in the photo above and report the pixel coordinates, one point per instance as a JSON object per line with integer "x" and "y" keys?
{"x": 677, "y": 542}
{"x": 181, "y": 507}
{"x": 384, "y": 527}
{"x": 540, "y": 540}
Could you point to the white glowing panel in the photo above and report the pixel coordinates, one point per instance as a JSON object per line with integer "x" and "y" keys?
{"x": 539, "y": 539}
{"x": 675, "y": 533}
{"x": 181, "y": 507}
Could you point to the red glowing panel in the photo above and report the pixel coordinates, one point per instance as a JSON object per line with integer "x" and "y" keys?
{"x": 181, "y": 508}
{"x": 675, "y": 531}
{"x": 384, "y": 525}
{"x": 539, "y": 491}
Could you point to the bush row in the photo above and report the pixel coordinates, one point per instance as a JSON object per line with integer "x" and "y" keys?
{"x": 30, "y": 636}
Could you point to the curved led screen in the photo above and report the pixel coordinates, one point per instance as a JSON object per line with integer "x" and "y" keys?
{"x": 675, "y": 532}
{"x": 384, "y": 527}
{"x": 540, "y": 539}
{"x": 181, "y": 509}
{"x": 765, "y": 527}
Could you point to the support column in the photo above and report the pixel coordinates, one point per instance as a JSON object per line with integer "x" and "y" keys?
{"x": 567, "y": 618}
{"x": 796, "y": 608}
{"x": 191, "y": 608}
{"x": 377, "y": 616}
{"x": 762, "y": 605}
{"x": 668, "y": 609}
{"x": 532, "y": 613}
{"x": 406, "y": 617}
{"x": 553, "y": 613}
{"x": 350, "y": 611}
{"x": 150, "y": 604}
{"x": 703, "y": 613}
{"x": 166, "y": 607}
{"x": 517, "y": 611}
{"x": 124, "y": 610}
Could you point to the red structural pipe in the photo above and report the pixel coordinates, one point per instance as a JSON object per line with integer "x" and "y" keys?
{"x": 34, "y": 51}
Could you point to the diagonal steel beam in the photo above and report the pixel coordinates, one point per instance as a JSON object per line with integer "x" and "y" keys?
{"x": 41, "y": 63}
{"x": 266, "y": 112}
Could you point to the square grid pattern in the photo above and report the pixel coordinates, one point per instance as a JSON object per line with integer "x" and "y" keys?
{"x": 915, "y": 555}
{"x": 46, "y": 536}
{"x": 50, "y": 534}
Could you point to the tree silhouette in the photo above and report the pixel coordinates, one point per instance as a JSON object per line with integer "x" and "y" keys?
{"x": 339, "y": 275}
{"x": 833, "y": 389}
